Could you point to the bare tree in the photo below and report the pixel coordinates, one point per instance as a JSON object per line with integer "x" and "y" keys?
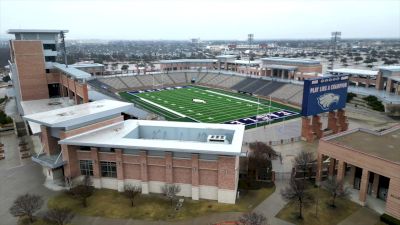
{"x": 59, "y": 216}
{"x": 296, "y": 191}
{"x": 336, "y": 189}
{"x": 83, "y": 191}
{"x": 170, "y": 191}
{"x": 26, "y": 205}
{"x": 259, "y": 157}
{"x": 303, "y": 161}
{"x": 253, "y": 218}
{"x": 131, "y": 191}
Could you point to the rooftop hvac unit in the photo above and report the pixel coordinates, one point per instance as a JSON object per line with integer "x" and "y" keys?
{"x": 217, "y": 139}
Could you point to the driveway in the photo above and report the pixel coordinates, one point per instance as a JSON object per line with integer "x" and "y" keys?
{"x": 18, "y": 177}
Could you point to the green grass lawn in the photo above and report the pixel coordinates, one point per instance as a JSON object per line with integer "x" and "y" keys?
{"x": 112, "y": 204}
{"x": 221, "y": 106}
{"x": 326, "y": 214}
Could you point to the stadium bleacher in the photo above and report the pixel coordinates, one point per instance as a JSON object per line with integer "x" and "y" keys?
{"x": 131, "y": 81}
{"x": 270, "y": 88}
{"x": 255, "y": 85}
{"x": 114, "y": 82}
{"x": 286, "y": 92}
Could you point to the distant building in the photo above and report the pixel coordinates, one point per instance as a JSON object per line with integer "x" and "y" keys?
{"x": 386, "y": 78}
{"x": 290, "y": 68}
{"x": 187, "y": 64}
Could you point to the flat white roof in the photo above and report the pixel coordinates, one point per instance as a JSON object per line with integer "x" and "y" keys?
{"x": 350, "y": 71}
{"x": 78, "y": 114}
{"x": 72, "y": 71}
{"x": 162, "y": 136}
{"x": 43, "y": 105}
{"x": 18, "y": 31}
{"x": 280, "y": 67}
{"x": 393, "y": 68}
{"x": 188, "y": 61}
{"x": 246, "y": 62}
{"x": 226, "y": 56}
{"x": 85, "y": 65}
{"x": 291, "y": 60}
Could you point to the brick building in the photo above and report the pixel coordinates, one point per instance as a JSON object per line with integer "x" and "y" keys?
{"x": 35, "y": 73}
{"x": 290, "y": 68}
{"x": 387, "y": 78}
{"x": 93, "y": 139}
{"x": 365, "y": 160}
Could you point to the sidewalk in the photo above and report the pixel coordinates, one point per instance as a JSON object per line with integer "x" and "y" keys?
{"x": 273, "y": 204}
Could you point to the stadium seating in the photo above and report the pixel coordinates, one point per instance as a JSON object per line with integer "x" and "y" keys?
{"x": 208, "y": 78}
{"x": 270, "y": 88}
{"x": 232, "y": 81}
{"x": 255, "y": 85}
{"x": 131, "y": 81}
{"x": 114, "y": 82}
{"x": 178, "y": 78}
{"x": 291, "y": 93}
{"x": 146, "y": 80}
{"x": 163, "y": 79}
{"x": 286, "y": 91}
{"x": 297, "y": 98}
{"x": 220, "y": 78}
{"x": 240, "y": 85}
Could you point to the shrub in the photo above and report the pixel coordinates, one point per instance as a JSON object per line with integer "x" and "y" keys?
{"x": 374, "y": 103}
{"x": 389, "y": 219}
{"x": 4, "y": 119}
{"x": 350, "y": 96}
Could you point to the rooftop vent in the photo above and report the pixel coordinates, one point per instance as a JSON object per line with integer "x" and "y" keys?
{"x": 217, "y": 139}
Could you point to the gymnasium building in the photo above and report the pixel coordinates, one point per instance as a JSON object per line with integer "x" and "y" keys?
{"x": 93, "y": 139}
{"x": 367, "y": 161}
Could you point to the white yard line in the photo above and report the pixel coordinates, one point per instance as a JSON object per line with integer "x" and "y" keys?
{"x": 167, "y": 109}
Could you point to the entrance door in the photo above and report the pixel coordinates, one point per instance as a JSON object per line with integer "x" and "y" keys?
{"x": 54, "y": 90}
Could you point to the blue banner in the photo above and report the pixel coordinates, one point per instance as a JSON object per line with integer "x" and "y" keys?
{"x": 324, "y": 94}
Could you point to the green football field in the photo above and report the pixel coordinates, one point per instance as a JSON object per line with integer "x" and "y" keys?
{"x": 203, "y": 104}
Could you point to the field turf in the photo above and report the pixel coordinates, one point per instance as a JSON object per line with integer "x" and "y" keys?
{"x": 219, "y": 107}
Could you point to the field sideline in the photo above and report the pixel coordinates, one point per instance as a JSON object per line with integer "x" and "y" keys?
{"x": 192, "y": 103}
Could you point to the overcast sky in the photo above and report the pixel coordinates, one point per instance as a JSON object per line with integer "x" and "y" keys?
{"x": 206, "y": 19}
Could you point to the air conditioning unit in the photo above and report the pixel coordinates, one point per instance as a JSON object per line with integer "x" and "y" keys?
{"x": 217, "y": 139}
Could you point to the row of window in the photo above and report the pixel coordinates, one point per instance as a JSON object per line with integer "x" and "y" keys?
{"x": 107, "y": 169}
{"x": 155, "y": 153}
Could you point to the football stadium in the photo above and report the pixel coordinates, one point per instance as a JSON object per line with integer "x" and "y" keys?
{"x": 204, "y": 104}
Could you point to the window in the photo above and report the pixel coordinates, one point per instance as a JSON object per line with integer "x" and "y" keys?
{"x": 84, "y": 148}
{"x": 86, "y": 167}
{"x": 50, "y": 58}
{"x": 108, "y": 169}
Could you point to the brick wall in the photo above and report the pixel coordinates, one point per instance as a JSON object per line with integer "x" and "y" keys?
{"x": 30, "y": 64}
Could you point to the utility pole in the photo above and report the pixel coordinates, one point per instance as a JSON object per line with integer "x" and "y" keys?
{"x": 335, "y": 38}
{"x": 64, "y": 49}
